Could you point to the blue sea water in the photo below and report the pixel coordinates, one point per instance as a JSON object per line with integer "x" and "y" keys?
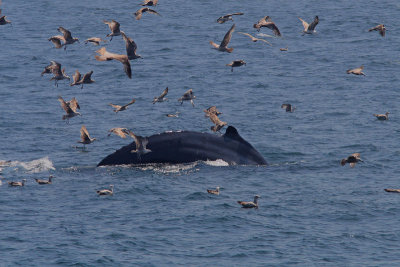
{"x": 313, "y": 212}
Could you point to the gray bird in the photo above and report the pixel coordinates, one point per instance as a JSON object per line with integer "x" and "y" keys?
{"x": 162, "y": 97}
{"x": 267, "y": 22}
{"x": 309, "y": 28}
{"x": 227, "y": 17}
{"x": 249, "y": 204}
{"x": 223, "y": 47}
{"x": 188, "y": 95}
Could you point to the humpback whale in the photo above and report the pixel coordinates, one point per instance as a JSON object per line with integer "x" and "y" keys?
{"x": 189, "y": 146}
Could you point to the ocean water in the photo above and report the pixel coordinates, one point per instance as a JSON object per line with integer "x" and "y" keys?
{"x": 313, "y": 212}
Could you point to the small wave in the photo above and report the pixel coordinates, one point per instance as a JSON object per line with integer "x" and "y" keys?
{"x": 217, "y": 163}
{"x": 34, "y": 166}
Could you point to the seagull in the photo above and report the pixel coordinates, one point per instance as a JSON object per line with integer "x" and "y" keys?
{"x": 105, "y": 56}
{"x": 138, "y": 14}
{"x": 70, "y": 108}
{"x": 87, "y": 78}
{"x": 55, "y": 68}
{"x": 131, "y": 47}
{"x": 212, "y": 110}
{"x": 121, "y": 132}
{"x": 236, "y": 63}
{"x": 41, "y": 182}
{"x": 162, "y": 97}
{"x": 67, "y": 37}
{"x": 356, "y": 71}
{"x": 141, "y": 143}
{"x": 85, "y": 137}
{"x": 267, "y": 22}
{"x": 76, "y": 78}
{"x": 218, "y": 123}
{"x": 390, "y": 190}
{"x": 95, "y": 40}
{"x": 381, "y": 28}
{"x": 106, "y": 192}
{"x": 382, "y": 117}
{"x": 56, "y": 40}
{"x": 114, "y": 27}
{"x": 22, "y": 183}
{"x": 288, "y": 107}
{"x": 224, "y": 44}
{"x": 188, "y": 95}
{"x": 149, "y": 3}
{"x": 121, "y": 108}
{"x": 352, "y": 159}
{"x": 227, "y": 17}
{"x": 309, "y": 28}
{"x": 250, "y": 204}
{"x": 254, "y": 39}
{"x": 214, "y": 192}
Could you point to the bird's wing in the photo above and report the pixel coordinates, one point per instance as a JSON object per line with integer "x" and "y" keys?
{"x": 130, "y": 103}
{"x": 265, "y": 41}
{"x": 139, "y": 13}
{"x": 376, "y": 28}
{"x": 87, "y": 76}
{"x": 127, "y": 68}
{"x": 285, "y": 106}
{"x": 313, "y": 24}
{"x": 119, "y": 131}
{"x": 55, "y": 68}
{"x": 64, "y": 105}
{"x": 114, "y": 26}
{"x": 164, "y": 93}
{"x": 115, "y": 106}
{"x": 382, "y": 31}
{"x": 65, "y": 32}
{"x": 56, "y": 40}
{"x": 356, "y": 155}
{"x": 76, "y": 77}
{"x": 237, "y": 13}
{"x": 305, "y": 24}
{"x": 214, "y": 44}
{"x": 84, "y": 133}
{"x": 271, "y": 25}
{"x": 74, "y": 105}
{"x": 153, "y": 11}
{"x": 228, "y": 36}
{"x": 247, "y": 34}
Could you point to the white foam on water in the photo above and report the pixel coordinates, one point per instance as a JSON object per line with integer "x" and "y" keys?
{"x": 216, "y": 163}
{"x": 34, "y": 166}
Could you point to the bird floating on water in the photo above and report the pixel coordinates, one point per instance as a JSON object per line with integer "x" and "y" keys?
{"x": 309, "y": 28}
{"x": 391, "y": 190}
{"x": 381, "y": 28}
{"x": 176, "y": 115}
{"x": 352, "y": 160}
{"x": 70, "y": 108}
{"x": 288, "y": 107}
{"x": 22, "y": 183}
{"x": 254, "y": 39}
{"x": 106, "y": 56}
{"x": 114, "y": 28}
{"x": 95, "y": 40}
{"x": 121, "y": 132}
{"x": 283, "y": 49}
{"x": 356, "y": 71}
{"x": 236, "y": 63}
{"x": 213, "y": 191}
{"x": 122, "y": 108}
{"x": 267, "y": 22}
{"x": 106, "y": 192}
{"x": 85, "y": 137}
{"x": 42, "y": 182}
{"x": 3, "y": 20}
{"x": 227, "y": 17}
{"x": 138, "y": 14}
{"x": 382, "y": 117}
{"x": 223, "y": 47}
{"x": 253, "y": 204}
{"x": 162, "y": 97}
{"x": 188, "y": 95}
{"x": 131, "y": 47}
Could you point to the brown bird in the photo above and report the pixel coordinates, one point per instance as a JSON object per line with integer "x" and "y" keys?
{"x": 131, "y": 47}
{"x": 390, "y": 190}
{"x": 352, "y": 159}
{"x": 212, "y": 110}
{"x": 236, "y": 63}
{"x": 139, "y": 13}
{"x": 85, "y": 137}
{"x": 94, "y": 40}
{"x": 41, "y": 182}
{"x": 121, "y": 108}
{"x": 253, "y": 204}
{"x": 22, "y": 183}
{"x": 381, "y": 28}
{"x": 121, "y": 132}
{"x": 267, "y": 22}
{"x": 141, "y": 143}
{"x": 67, "y": 37}
{"x": 76, "y": 78}
{"x": 218, "y": 123}
{"x": 106, "y": 192}
{"x": 162, "y": 97}
{"x": 56, "y": 40}
{"x": 55, "y": 68}
{"x": 188, "y": 95}
{"x": 227, "y": 17}
{"x": 105, "y": 56}
{"x": 176, "y": 115}
{"x": 114, "y": 28}
{"x": 214, "y": 192}
{"x": 3, "y": 20}
{"x": 288, "y": 107}
{"x": 382, "y": 117}
{"x": 309, "y": 28}
{"x": 224, "y": 44}
{"x": 254, "y": 39}
{"x": 86, "y": 79}
{"x": 283, "y": 49}
{"x": 70, "y": 108}
{"x": 356, "y": 71}
{"x": 149, "y": 3}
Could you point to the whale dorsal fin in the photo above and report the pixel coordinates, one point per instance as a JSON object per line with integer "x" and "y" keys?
{"x": 232, "y": 133}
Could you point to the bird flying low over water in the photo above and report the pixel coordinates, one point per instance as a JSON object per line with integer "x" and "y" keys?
{"x": 141, "y": 143}
{"x": 138, "y": 14}
{"x": 121, "y": 132}
{"x": 94, "y": 40}
{"x": 131, "y": 47}
{"x": 105, "y": 56}
{"x": 267, "y": 22}
{"x": 121, "y": 108}
{"x": 76, "y": 78}
{"x": 288, "y": 107}
{"x": 69, "y": 107}
{"x": 58, "y": 73}
{"x": 106, "y": 192}
{"x": 352, "y": 160}
{"x": 212, "y": 110}
{"x": 188, "y": 95}
{"x": 382, "y": 117}
{"x": 22, "y": 183}
{"x": 227, "y": 17}
{"x": 85, "y": 137}
{"x": 149, "y": 3}
{"x": 249, "y": 204}
{"x": 67, "y": 38}
{"x": 254, "y": 39}
{"x": 86, "y": 79}
{"x": 213, "y": 191}
{"x": 114, "y": 28}
{"x": 218, "y": 123}
{"x": 356, "y": 71}
{"x": 236, "y": 63}
{"x": 224, "y": 44}
{"x": 162, "y": 97}
{"x": 381, "y": 28}
{"x": 309, "y": 28}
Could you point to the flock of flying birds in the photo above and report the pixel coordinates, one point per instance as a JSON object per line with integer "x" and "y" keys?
{"x": 70, "y": 107}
